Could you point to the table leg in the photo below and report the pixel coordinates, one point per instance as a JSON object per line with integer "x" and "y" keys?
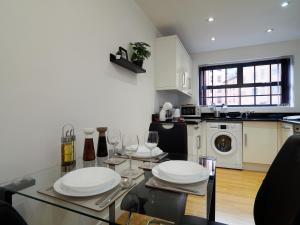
{"x": 7, "y": 191}
{"x": 112, "y": 214}
{"x": 6, "y": 195}
{"x": 129, "y": 217}
{"x": 112, "y": 207}
{"x": 212, "y": 210}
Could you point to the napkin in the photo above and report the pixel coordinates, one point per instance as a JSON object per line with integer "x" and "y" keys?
{"x": 143, "y": 151}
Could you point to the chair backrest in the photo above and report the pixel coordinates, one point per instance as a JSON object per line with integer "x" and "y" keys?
{"x": 278, "y": 199}
{"x": 9, "y": 216}
{"x": 173, "y": 140}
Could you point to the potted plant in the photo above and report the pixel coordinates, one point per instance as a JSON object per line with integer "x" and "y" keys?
{"x": 139, "y": 53}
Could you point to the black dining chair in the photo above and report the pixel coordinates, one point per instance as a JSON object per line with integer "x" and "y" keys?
{"x": 172, "y": 138}
{"x": 278, "y": 199}
{"x": 9, "y": 216}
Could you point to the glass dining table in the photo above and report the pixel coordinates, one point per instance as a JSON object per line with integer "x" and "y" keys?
{"x": 140, "y": 200}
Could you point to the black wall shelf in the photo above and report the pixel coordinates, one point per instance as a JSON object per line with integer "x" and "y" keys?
{"x": 126, "y": 64}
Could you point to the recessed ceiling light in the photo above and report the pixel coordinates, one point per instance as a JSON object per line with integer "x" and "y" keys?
{"x": 270, "y": 30}
{"x": 213, "y": 39}
{"x": 284, "y": 4}
{"x": 211, "y": 19}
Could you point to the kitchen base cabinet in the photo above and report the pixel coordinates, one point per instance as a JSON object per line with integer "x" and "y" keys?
{"x": 259, "y": 142}
{"x": 202, "y": 149}
{"x": 196, "y": 140}
{"x": 285, "y": 130}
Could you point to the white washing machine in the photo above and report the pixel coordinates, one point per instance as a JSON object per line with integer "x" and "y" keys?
{"x": 224, "y": 141}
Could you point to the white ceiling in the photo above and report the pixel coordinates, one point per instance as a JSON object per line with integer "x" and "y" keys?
{"x": 237, "y": 22}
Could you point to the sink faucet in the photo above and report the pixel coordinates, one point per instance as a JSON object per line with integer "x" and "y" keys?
{"x": 247, "y": 114}
{"x": 217, "y": 109}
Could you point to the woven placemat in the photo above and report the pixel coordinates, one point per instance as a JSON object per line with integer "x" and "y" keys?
{"x": 114, "y": 161}
{"x": 199, "y": 188}
{"x": 154, "y": 159}
{"x": 87, "y": 202}
{"x": 138, "y": 174}
{"x": 148, "y": 166}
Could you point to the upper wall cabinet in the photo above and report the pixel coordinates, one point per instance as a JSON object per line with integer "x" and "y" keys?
{"x": 173, "y": 66}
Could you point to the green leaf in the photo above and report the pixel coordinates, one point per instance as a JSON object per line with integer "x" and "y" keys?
{"x": 140, "y": 51}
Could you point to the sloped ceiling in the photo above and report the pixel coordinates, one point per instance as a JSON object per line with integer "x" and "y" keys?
{"x": 237, "y": 22}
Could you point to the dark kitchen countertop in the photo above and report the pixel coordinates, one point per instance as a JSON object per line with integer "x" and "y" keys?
{"x": 235, "y": 120}
{"x": 240, "y": 119}
{"x": 291, "y": 121}
{"x": 264, "y": 117}
{"x": 186, "y": 122}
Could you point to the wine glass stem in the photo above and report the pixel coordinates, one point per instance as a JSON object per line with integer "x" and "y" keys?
{"x": 114, "y": 152}
{"x": 151, "y": 157}
{"x": 130, "y": 162}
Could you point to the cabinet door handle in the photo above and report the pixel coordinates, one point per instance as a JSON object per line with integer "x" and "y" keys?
{"x": 199, "y": 141}
{"x": 183, "y": 79}
{"x": 245, "y": 139}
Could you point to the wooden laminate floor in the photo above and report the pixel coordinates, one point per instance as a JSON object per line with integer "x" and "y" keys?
{"x": 235, "y": 195}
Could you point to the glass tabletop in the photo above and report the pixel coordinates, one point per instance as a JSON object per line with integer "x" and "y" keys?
{"x": 141, "y": 199}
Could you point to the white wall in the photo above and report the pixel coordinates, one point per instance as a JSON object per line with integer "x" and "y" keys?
{"x": 166, "y": 96}
{"x": 245, "y": 54}
{"x": 55, "y": 69}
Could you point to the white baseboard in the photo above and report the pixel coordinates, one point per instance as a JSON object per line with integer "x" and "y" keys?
{"x": 256, "y": 167}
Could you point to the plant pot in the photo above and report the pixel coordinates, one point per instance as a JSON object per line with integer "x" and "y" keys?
{"x": 138, "y": 62}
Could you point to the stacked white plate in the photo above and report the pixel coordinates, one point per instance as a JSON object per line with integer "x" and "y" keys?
{"x": 180, "y": 172}
{"x": 87, "y": 182}
{"x": 144, "y": 152}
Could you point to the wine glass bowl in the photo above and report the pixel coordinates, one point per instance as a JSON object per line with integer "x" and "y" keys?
{"x": 130, "y": 150}
{"x": 150, "y": 146}
{"x": 151, "y": 142}
{"x": 113, "y": 138}
{"x": 130, "y": 145}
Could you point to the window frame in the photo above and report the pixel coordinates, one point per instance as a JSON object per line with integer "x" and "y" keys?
{"x": 284, "y": 83}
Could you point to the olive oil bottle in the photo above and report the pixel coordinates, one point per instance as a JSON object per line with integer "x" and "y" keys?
{"x": 68, "y": 145}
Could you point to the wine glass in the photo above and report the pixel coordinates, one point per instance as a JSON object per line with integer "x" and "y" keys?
{"x": 151, "y": 141}
{"x": 114, "y": 138}
{"x": 130, "y": 144}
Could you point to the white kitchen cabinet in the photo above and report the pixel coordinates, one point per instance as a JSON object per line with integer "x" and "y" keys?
{"x": 196, "y": 140}
{"x": 202, "y": 149}
{"x": 259, "y": 142}
{"x": 173, "y": 65}
{"x": 285, "y": 131}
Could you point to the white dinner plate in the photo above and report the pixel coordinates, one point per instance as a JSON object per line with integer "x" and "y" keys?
{"x": 182, "y": 169}
{"x": 179, "y": 180}
{"x": 61, "y": 189}
{"x": 144, "y": 152}
{"x": 88, "y": 179}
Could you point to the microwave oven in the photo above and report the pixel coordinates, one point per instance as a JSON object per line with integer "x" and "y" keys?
{"x": 190, "y": 111}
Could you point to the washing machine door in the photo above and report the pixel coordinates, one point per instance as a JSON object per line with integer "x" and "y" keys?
{"x": 224, "y": 143}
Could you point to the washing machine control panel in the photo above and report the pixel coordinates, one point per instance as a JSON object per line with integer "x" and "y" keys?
{"x": 223, "y": 127}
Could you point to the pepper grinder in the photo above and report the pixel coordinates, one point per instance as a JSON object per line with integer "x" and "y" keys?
{"x": 102, "y": 146}
{"x": 68, "y": 145}
{"x": 89, "y": 151}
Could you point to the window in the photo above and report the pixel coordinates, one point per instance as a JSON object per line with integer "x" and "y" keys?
{"x": 261, "y": 83}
